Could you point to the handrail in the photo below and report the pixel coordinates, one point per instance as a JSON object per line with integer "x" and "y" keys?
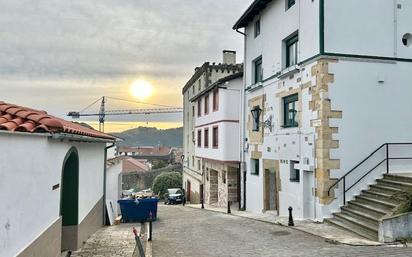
{"x": 387, "y": 159}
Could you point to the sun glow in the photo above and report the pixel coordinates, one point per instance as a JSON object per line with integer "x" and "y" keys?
{"x": 141, "y": 89}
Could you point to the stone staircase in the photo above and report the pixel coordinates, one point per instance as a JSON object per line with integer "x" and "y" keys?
{"x": 362, "y": 214}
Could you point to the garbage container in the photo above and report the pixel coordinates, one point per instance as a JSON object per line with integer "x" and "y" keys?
{"x": 138, "y": 210}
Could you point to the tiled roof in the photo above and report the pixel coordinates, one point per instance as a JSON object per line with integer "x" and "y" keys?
{"x": 133, "y": 165}
{"x": 23, "y": 119}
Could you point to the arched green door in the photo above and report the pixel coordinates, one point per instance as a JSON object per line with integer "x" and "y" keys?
{"x": 70, "y": 189}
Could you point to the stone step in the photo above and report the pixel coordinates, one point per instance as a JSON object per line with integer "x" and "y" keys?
{"x": 384, "y": 189}
{"x": 395, "y": 184}
{"x": 373, "y": 210}
{"x": 361, "y": 214}
{"x": 376, "y": 202}
{"x": 365, "y": 224}
{"x": 379, "y": 196}
{"x": 347, "y": 225}
{"x": 398, "y": 177}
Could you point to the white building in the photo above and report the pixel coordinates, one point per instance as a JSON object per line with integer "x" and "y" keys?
{"x": 114, "y": 185}
{"x": 52, "y": 182}
{"x": 203, "y": 77}
{"x": 327, "y": 83}
{"x": 217, "y": 134}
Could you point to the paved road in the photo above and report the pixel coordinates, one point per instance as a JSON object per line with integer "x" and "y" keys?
{"x": 114, "y": 241}
{"x": 183, "y": 231}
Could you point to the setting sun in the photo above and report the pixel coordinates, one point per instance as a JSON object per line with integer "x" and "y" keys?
{"x": 141, "y": 89}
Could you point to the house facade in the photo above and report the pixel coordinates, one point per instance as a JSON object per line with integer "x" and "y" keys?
{"x": 217, "y": 133}
{"x": 203, "y": 77}
{"x": 322, "y": 92}
{"x": 52, "y": 182}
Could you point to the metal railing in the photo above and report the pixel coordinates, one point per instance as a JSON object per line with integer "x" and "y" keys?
{"x": 388, "y": 157}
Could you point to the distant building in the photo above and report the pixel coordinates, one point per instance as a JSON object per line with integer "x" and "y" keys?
{"x": 147, "y": 152}
{"x": 52, "y": 172}
{"x": 203, "y": 77}
{"x": 217, "y": 133}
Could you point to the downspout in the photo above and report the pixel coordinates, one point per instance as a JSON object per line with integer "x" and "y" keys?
{"x": 242, "y": 165}
{"x": 104, "y": 181}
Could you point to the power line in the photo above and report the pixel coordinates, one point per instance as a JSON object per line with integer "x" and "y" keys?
{"x": 137, "y": 102}
{"x": 90, "y": 105}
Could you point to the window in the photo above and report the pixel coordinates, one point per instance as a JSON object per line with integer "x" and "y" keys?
{"x": 256, "y": 112}
{"x": 206, "y": 143}
{"x": 289, "y": 111}
{"x": 199, "y": 138}
{"x": 207, "y": 175}
{"x": 254, "y": 166}
{"x": 198, "y": 164}
{"x": 291, "y": 45}
{"x": 224, "y": 177}
{"x": 193, "y": 111}
{"x": 193, "y": 161}
{"x": 193, "y": 89}
{"x": 216, "y": 99}
{"x": 290, "y": 3}
{"x": 199, "y": 108}
{"x": 193, "y": 137}
{"x": 200, "y": 85}
{"x": 257, "y": 28}
{"x": 215, "y": 138}
{"x": 206, "y": 104}
{"x": 258, "y": 72}
{"x": 294, "y": 173}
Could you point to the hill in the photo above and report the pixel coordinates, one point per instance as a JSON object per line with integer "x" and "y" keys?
{"x": 146, "y": 136}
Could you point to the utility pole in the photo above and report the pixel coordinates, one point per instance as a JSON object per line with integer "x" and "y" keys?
{"x": 102, "y": 114}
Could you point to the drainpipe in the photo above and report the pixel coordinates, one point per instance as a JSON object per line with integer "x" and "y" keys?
{"x": 104, "y": 181}
{"x": 242, "y": 165}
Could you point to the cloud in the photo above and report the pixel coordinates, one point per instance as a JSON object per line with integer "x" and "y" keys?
{"x": 81, "y": 50}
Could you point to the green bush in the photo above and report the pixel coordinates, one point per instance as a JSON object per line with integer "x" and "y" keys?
{"x": 166, "y": 180}
{"x": 405, "y": 200}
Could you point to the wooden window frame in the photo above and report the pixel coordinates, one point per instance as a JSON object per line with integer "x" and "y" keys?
{"x": 215, "y": 137}
{"x": 216, "y": 99}
{"x": 257, "y": 73}
{"x": 292, "y": 41}
{"x": 206, "y": 104}
{"x": 257, "y": 28}
{"x": 206, "y": 138}
{"x": 199, "y": 138}
{"x": 290, "y": 99}
{"x": 199, "y": 107}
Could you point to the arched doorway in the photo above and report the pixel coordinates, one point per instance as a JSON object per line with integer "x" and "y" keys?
{"x": 69, "y": 200}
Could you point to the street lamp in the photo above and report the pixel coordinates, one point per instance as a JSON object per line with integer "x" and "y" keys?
{"x": 256, "y": 111}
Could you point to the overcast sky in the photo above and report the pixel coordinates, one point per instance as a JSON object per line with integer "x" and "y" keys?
{"x": 61, "y": 55}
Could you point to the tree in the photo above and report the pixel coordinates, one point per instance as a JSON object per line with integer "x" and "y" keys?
{"x": 158, "y": 164}
{"x": 166, "y": 180}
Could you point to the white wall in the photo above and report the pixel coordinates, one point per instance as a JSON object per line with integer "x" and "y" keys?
{"x": 113, "y": 181}
{"x": 373, "y": 113}
{"x": 226, "y": 118}
{"x": 371, "y": 28}
{"x": 29, "y": 167}
{"x": 284, "y": 144}
{"x": 276, "y": 25}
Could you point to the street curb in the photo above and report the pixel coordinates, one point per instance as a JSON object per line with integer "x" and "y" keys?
{"x": 328, "y": 240}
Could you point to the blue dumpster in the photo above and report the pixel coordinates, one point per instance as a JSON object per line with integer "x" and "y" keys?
{"x": 138, "y": 210}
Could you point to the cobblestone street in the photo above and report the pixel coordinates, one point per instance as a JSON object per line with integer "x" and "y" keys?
{"x": 114, "y": 241}
{"x": 183, "y": 231}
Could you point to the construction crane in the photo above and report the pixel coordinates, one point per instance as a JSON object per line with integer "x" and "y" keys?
{"x": 103, "y": 112}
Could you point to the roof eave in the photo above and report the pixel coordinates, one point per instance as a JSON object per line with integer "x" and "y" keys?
{"x": 254, "y": 9}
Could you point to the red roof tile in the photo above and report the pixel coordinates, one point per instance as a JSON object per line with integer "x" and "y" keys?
{"x": 23, "y": 119}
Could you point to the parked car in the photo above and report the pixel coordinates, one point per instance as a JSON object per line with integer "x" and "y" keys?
{"x": 174, "y": 196}
{"x": 146, "y": 193}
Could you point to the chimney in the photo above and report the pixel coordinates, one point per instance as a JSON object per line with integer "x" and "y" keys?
{"x": 229, "y": 57}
